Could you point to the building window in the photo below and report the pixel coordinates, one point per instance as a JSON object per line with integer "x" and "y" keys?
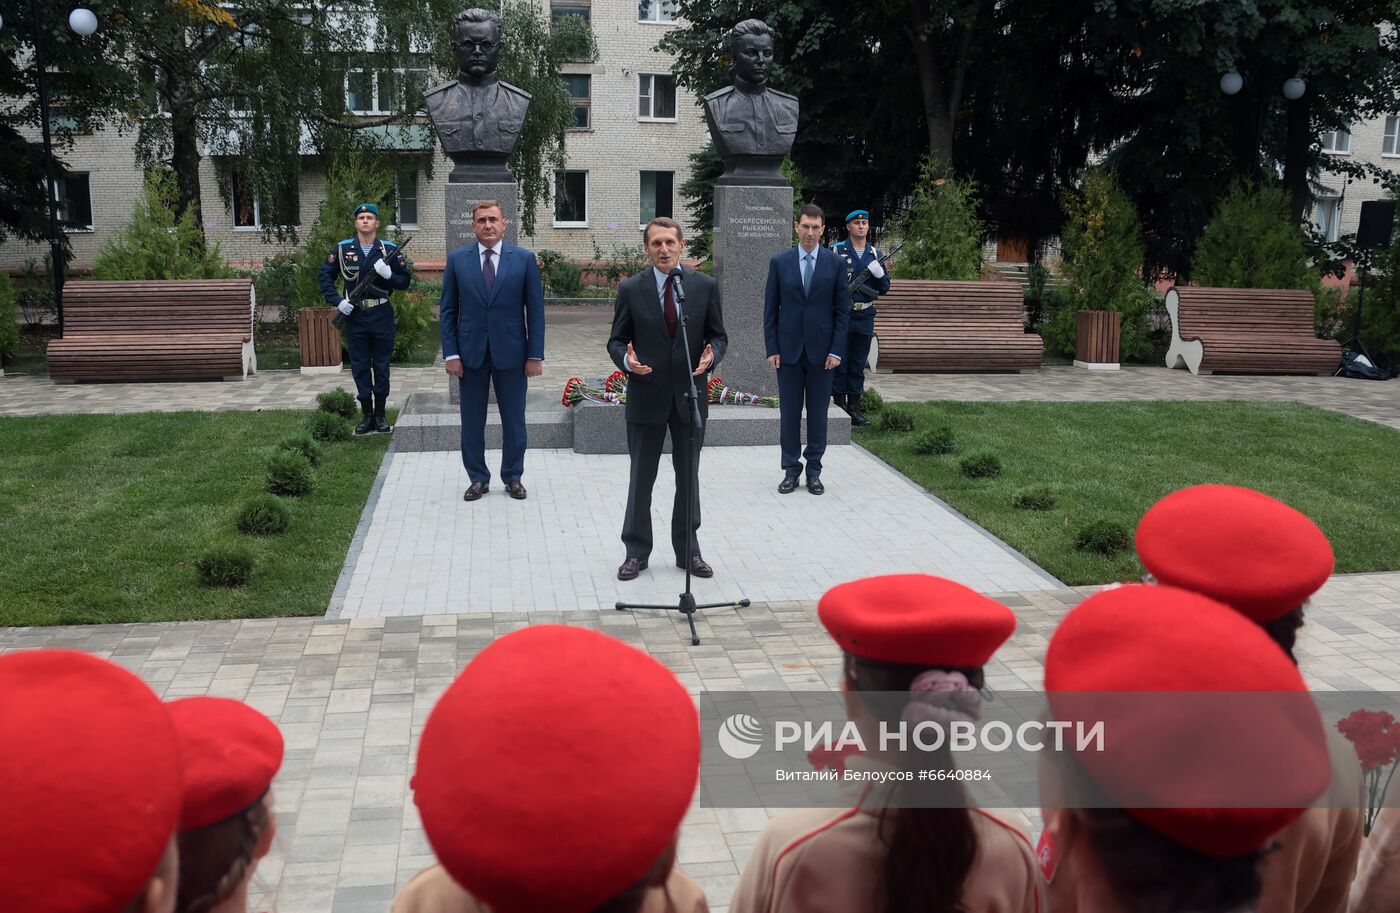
{"x": 656, "y": 194}
{"x": 1327, "y": 216}
{"x": 1392, "y": 136}
{"x": 656, "y": 10}
{"x": 382, "y": 91}
{"x": 1337, "y": 141}
{"x": 74, "y": 196}
{"x": 249, "y": 211}
{"x": 571, "y": 199}
{"x": 571, "y": 8}
{"x": 401, "y": 208}
{"x": 656, "y": 97}
{"x": 580, "y": 89}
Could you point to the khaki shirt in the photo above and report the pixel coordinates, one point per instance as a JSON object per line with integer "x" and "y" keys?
{"x": 830, "y": 861}
{"x": 1377, "y": 885}
{"x": 1312, "y": 870}
{"x": 433, "y": 891}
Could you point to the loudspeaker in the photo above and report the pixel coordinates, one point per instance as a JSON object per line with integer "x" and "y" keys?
{"x": 1377, "y": 220}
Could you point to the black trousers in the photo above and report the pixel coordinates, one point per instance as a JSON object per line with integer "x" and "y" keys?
{"x": 644, "y": 444}
{"x": 370, "y": 339}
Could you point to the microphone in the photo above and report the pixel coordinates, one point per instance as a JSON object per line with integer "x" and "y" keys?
{"x": 676, "y": 285}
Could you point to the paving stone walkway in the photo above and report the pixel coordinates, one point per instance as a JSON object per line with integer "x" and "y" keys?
{"x": 351, "y": 697}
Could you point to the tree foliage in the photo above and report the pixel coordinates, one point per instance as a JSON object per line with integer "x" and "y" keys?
{"x": 1380, "y": 315}
{"x": 353, "y": 177}
{"x": 942, "y": 234}
{"x": 1103, "y": 264}
{"x": 1253, "y": 243}
{"x": 158, "y": 244}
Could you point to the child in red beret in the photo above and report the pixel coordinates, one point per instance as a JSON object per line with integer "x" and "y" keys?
{"x": 89, "y": 788}
{"x": 926, "y": 638}
{"x": 1264, "y": 559}
{"x": 552, "y": 777}
{"x": 1211, "y": 747}
{"x": 230, "y": 754}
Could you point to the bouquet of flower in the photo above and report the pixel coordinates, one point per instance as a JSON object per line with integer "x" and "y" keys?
{"x": 1375, "y": 734}
{"x": 616, "y": 382}
{"x": 719, "y": 394}
{"x": 576, "y": 391}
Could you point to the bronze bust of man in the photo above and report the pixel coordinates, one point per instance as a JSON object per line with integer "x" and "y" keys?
{"x": 477, "y": 117}
{"x": 752, "y": 125}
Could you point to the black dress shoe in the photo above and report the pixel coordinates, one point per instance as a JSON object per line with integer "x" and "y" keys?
{"x": 788, "y": 485}
{"x": 381, "y": 425}
{"x": 631, "y": 567}
{"x": 516, "y": 490}
{"x": 698, "y": 567}
{"x": 475, "y": 491}
{"x": 858, "y": 418}
{"x": 814, "y": 483}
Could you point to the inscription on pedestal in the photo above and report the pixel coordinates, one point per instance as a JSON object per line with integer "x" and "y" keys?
{"x": 751, "y": 225}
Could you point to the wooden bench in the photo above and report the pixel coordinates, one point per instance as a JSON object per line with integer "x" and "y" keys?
{"x": 1247, "y": 331}
{"x": 923, "y": 325}
{"x": 196, "y": 329}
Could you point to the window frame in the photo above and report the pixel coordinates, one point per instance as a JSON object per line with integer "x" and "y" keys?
{"x": 582, "y": 102}
{"x": 1390, "y": 134}
{"x": 582, "y": 8}
{"x": 658, "y": 5}
{"x": 651, "y": 99}
{"x": 257, "y": 208}
{"x": 1336, "y": 135}
{"x": 398, "y": 222}
{"x": 1333, "y": 228}
{"x": 556, "y": 222}
{"x": 374, "y": 88}
{"x": 59, "y": 197}
{"x": 641, "y": 178}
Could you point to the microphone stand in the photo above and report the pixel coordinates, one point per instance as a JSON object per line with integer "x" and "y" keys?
{"x": 687, "y": 606}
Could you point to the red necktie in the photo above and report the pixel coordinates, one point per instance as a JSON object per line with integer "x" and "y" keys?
{"x": 670, "y": 310}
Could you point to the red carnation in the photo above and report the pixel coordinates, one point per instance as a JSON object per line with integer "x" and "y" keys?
{"x": 1376, "y": 736}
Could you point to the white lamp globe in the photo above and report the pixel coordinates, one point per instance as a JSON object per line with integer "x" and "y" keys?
{"x": 1294, "y": 88}
{"x": 2, "y": 22}
{"x": 1231, "y": 83}
{"x": 83, "y": 21}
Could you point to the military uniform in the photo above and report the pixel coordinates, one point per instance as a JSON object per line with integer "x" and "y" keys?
{"x": 369, "y": 331}
{"x": 849, "y": 382}
{"x": 751, "y": 123}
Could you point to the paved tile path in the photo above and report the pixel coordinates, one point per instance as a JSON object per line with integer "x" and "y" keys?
{"x": 351, "y": 694}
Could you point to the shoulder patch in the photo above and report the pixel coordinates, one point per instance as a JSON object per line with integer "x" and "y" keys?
{"x": 719, "y": 92}
{"x": 330, "y": 258}
{"x": 783, "y": 94}
{"x": 515, "y": 90}
{"x": 346, "y": 241}
{"x": 440, "y": 88}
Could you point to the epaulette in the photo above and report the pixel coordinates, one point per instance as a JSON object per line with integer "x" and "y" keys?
{"x": 387, "y": 243}
{"x": 516, "y": 89}
{"x": 719, "y": 92}
{"x": 783, "y": 94}
{"x": 346, "y": 241}
{"x": 442, "y": 88}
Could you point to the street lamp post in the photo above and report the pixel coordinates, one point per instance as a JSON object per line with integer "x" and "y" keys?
{"x": 83, "y": 22}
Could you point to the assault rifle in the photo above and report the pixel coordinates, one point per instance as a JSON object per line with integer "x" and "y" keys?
{"x": 362, "y": 285}
{"x": 857, "y": 283}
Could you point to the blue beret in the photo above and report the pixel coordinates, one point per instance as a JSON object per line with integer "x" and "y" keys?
{"x": 857, "y": 214}
{"x": 367, "y": 207}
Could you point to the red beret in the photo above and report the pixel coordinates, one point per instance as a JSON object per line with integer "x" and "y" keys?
{"x": 1201, "y": 709}
{"x": 89, "y": 783}
{"x": 230, "y": 753}
{"x": 915, "y": 619}
{"x": 556, "y": 769}
{"x": 1235, "y": 545}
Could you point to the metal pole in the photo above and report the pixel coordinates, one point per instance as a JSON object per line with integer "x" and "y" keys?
{"x": 55, "y": 238}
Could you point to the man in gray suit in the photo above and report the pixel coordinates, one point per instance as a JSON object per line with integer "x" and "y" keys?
{"x": 646, "y": 343}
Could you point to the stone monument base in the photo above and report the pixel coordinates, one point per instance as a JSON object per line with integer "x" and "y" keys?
{"x": 752, "y": 223}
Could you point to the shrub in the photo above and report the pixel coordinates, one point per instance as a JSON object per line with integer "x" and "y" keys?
{"x": 225, "y": 565}
{"x": 325, "y": 426}
{"x": 1380, "y": 314}
{"x": 1034, "y": 499}
{"x": 9, "y": 320}
{"x": 1102, "y": 537}
{"x": 1251, "y": 242}
{"x": 157, "y": 245}
{"x": 871, "y": 401}
{"x": 566, "y": 280}
{"x": 895, "y": 418}
{"x": 351, "y": 178}
{"x": 338, "y": 402}
{"x": 305, "y": 445}
{"x": 276, "y": 281}
{"x": 1103, "y": 267}
{"x": 289, "y": 473}
{"x": 980, "y": 466}
{"x": 413, "y": 320}
{"x": 936, "y": 442}
{"x": 942, "y": 233}
{"x": 264, "y": 515}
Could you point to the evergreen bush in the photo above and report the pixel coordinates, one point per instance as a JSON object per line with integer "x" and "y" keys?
{"x": 264, "y": 515}
{"x": 329, "y": 428}
{"x": 935, "y": 442}
{"x": 157, "y": 245}
{"x": 1102, "y": 537}
{"x": 942, "y": 233}
{"x": 1034, "y": 499}
{"x": 289, "y": 473}
{"x": 980, "y": 466}
{"x": 305, "y": 445}
{"x": 338, "y": 402}
{"x": 894, "y": 418}
{"x": 225, "y": 565}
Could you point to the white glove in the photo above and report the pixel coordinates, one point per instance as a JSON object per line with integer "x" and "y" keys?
{"x": 876, "y": 269}
{"x": 345, "y": 307}
{"x": 383, "y": 269}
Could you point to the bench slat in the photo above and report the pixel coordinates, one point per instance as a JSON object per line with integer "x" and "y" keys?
{"x": 929, "y": 325}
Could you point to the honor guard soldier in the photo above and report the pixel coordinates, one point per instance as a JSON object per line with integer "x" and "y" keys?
{"x": 369, "y": 331}
{"x": 906, "y": 846}
{"x": 1264, "y": 559}
{"x": 861, "y": 257}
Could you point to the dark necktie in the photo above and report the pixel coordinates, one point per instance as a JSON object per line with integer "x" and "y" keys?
{"x": 488, "y": 272}
{"x": 670, "y": 310}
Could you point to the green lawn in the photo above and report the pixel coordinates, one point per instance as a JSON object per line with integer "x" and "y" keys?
{"x": 103, "y": 517}
{"x": 1113, "y": 460}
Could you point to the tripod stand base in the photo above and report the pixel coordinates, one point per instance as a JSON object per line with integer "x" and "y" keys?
{"x": 686, "y": 607}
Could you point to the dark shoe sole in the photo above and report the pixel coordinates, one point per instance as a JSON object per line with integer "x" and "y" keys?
{"x": 519, "y": 497}
{"x": 641, "y": 567}
{"x": 707, "y": 575}
{"x": 787, "y": 491}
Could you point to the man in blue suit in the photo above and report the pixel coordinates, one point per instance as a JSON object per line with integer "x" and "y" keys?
{"x": 806, "y": 313}
{"x": 492, "y": 319}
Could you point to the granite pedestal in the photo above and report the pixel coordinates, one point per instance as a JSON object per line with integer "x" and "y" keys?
{"x": 752, "y": 223}
{"x": 458, "y": 200}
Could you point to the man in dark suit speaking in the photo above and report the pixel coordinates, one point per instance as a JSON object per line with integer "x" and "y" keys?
{"x": 646, "y": 343}
{"x": 492, "y": 323}
{"x": 806, "y": 313}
